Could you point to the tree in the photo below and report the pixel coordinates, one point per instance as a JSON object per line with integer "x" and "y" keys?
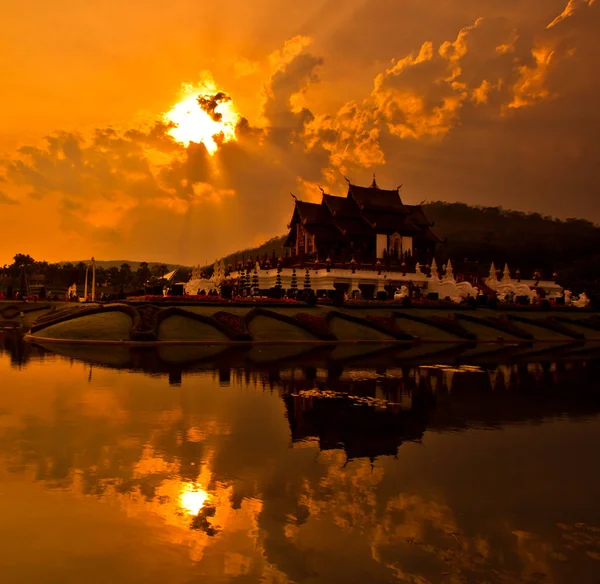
{"x": 101, "y": 276}
{"x": 143, "y": 274}
{"x": 125, "y": 275}
{"x": 113, "y": 276}
{"x": 68, "y": 274}
{"x": 22, "y": 259}
{"x": 52, "y": 273}
{"x": 81, "y": 268}
{"x": 159, "y": 270}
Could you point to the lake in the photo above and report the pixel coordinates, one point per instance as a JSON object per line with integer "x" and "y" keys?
{"x": 129, "y": 466}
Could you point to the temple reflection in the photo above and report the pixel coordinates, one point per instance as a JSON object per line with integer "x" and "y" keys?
{"x": 254, "y": 460}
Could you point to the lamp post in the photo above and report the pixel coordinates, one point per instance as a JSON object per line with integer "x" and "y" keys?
{"x": 93, "y": 279}
{"x": 85, "y": 285}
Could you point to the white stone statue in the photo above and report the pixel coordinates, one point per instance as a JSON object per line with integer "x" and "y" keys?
{"x": 449, "y": 271}
{"x": 582, "y": 301}
{"x": 402, "y": 293}
{"x": 492, "y": 276}
{"x": 568, "y": 297}
{"x": 434, "y": 270}
{"x": 418, "y": 268}
{"x": 72, "y": 291}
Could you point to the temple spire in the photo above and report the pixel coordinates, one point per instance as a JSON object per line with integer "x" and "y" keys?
{"x": 374, "y": 183}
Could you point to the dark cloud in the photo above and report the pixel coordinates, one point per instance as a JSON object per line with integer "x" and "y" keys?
{"x": 6, "y": 200}
{"x": 209, "y": 104}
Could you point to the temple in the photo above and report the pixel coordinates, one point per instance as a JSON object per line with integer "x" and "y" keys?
{"x": 366, "y": 225}
{"x": 368, "y": 244}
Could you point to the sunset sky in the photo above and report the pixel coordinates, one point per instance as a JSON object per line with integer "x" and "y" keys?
{"x": 491, "y": 102}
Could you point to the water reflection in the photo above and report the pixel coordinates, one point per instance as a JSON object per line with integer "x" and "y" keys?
{"x": 138, "y": 466}
{"x": 192, "y": 498}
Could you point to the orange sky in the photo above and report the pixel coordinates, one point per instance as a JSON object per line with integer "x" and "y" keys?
{"x": 481, "y": 101}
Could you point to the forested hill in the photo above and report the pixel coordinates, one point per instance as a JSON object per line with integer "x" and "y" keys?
{"x": 273, "y": 245}
{"x": 524, "y": 240}
{"x": 527, "y": 241}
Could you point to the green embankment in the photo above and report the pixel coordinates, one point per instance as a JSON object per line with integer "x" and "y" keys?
{"x": 421, "y": 330}
{"x": 345, "y": 330}
{"x": 342, "y": 324}
{"x": 264, "y": 328}
{"x": 179, "y": 328}
{"x": 110, "y": 326}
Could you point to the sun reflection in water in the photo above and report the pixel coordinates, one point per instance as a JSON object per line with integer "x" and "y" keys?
{"x": 192, "y": 498}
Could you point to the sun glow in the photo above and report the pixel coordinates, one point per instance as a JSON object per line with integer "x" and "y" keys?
{"x": 204, "y": 115}
{"x": 192, "y": 499}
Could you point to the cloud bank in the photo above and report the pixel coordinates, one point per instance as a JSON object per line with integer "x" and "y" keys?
{"x": 503, "y": 110}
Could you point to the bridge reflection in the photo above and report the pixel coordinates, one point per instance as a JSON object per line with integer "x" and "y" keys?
{"x": 368, "y": 404}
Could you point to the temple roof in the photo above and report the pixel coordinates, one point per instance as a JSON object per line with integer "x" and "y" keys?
{"x": 364, "y": 211}
{"x": 312, "y": 213}
{"x": 323, "y": 232}
{"x": 376, "y": 199}
{"x": 341, "y": 206}
{"x": 417, "y": 216}
{"x": 387, "y": 222}
{"x": 352, "y": 226}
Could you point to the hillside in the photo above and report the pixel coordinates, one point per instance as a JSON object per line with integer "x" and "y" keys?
{"x": 272, "y": 245}
{"x": 527, "y": 241}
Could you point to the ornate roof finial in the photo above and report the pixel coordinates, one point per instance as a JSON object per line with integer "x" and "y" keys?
{"x": 374, "y": 184}
{"x": 321, "y": 189}
{"x": 346, "y": 179}
{"x": 294, "y": 196}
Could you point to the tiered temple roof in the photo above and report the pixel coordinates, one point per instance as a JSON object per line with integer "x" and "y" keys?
{"x": 364, "y": 211}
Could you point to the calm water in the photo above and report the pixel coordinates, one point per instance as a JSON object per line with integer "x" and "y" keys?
{"x": 173, "y": 467}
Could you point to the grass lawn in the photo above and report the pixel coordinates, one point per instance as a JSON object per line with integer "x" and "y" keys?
{"x": 111, "y": 326}
{"x": 542, "y": 334}
{"x": 263, "y": 328}
{"x": 345, "y": 330}
{"x": 179, "y": 328}
{"x": 487, "y": 333}
{"x": 424, "y": 331}
{"x": 210, "y": 310}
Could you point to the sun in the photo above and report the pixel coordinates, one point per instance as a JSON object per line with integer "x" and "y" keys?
{"x": 204, "y": 115}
